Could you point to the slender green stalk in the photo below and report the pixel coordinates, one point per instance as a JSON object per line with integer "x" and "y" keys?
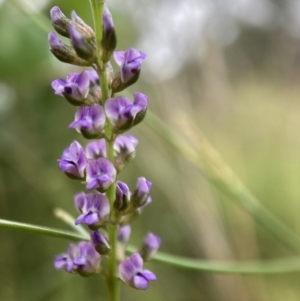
{"x": 279, "y": 266}
{"x": 67, "y": 218}
{"x": 42, "y": 230}
{"x": 97, "y": 9}
{"x": 246, "y": 268}
{"x": 112, "y": 277}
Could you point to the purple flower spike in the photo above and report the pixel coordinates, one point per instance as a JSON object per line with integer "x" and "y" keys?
{"x": 131, "y": 272}
{"x": 82, "y": 259}
{"x": 94, "y": 209}
{"x": 73, "y": 161}
{"x": 141, "y": 193}
{"x": 124, "y": 234}
{"x": 130, "y": 62}
{"x": 89, "y": 121}
{"x": 122, "y": 196}
{"x": 96, "y": 149}
{"x": 150, "y": 246}
{"x": 100, "y": 174}
{"x": 100, "y": 243}
{"x": 75, "y": 89}
{"x": 123, "y": 114}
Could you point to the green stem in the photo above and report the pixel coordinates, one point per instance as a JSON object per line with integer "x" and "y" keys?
{"x": 97, "y": 9}
{"x": 112, "y": 277}
{"x": 42, "y": 230}
{"x": 278, "y": 266}
{"x": 246, "y": 268}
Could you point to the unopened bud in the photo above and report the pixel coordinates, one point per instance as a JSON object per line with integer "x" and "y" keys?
{"x": 64, "y": 52}
{"x": 100, "y": 243}
{"x": 150, "y": 246}
{"x": 117, "y": 84}
{"x": 122, "y": 196}
{"x": 82, "y": 45}
{"x": 59, "y": 21}
{"x": 109, "y": 38}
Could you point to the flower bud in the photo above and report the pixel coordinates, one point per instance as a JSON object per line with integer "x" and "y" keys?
{"x": 82, "y": 45}
{"x": 150, "y": 246}
{"x": 109, "y": 38}
{"x": 64, "y": 52}
{"x": 141, "y": 193}
{"x": 59, "y": 21}
{"x": 100, "y": 243}
{"x": 82, "y": 27}
{"x": 122, "y": 196}
{"x": 124, "y": 234}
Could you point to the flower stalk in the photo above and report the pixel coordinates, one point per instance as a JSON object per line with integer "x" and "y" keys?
{"x": 111, "y": 279}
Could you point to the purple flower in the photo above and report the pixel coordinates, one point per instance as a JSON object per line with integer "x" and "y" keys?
{"x": 131, "y": 272}
{"x": 93, "y": 77}
{"x": 122, "y": 196}
{"x": 100, "y": 174}
{"x": 83, "y": 47}
{"x": 73, "y": 161}
{"x": 130, "y": 63}
{"x": 100, "y": 243}
{"x": 124, "y": 147}
{"x": 141, "y": 193}
{"x": 123, "y": 114}
{"x": 96, "y": 149}
{"x": 89, "y": 121}
{"x": 82, "y": 259}
{"x": 75, "y": 89}
{"x": 150, "y": 246}
{"x": 124, "y": 234}
{"x": 94, "y": 209}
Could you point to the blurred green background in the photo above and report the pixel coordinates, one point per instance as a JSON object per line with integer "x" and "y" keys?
{"x": 233, "y": 67}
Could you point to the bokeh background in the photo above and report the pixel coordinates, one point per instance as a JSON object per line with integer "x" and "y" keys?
{"x": 232, "y": 67}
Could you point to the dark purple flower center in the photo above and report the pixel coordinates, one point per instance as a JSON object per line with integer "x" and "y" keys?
{"x": 68, "y": 90}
